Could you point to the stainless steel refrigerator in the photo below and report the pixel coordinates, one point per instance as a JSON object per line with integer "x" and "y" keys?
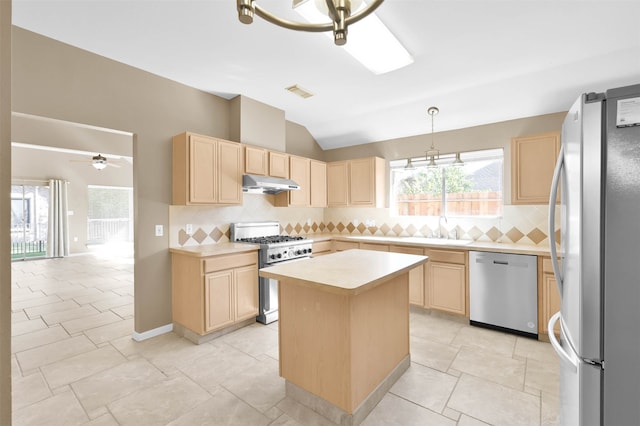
{"x": 598, "y": 275}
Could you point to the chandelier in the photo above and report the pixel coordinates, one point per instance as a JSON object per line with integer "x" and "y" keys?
{"x": 339, "y": 11}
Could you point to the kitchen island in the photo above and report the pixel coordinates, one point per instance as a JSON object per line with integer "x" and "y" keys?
{"x": 344, "y": 329}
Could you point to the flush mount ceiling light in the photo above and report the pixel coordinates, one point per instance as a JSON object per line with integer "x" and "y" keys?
{"x": 432, "y": 154}
{"x": 300, "y": 91}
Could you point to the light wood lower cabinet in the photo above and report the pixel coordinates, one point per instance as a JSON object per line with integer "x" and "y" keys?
{"x": 447, "y": 281}
{"x": 320, "y": 248}
{"x": 214, "y": 292}
{"x": 344, "y": 245}
{"x": 548, "y": 296}
{"x": 416, "y": 275}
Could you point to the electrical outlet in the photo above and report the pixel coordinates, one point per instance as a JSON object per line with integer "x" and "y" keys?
{"x": 189, "y": 229}
{"x": 159, "y": 230}
{"x": 369, "y": 223}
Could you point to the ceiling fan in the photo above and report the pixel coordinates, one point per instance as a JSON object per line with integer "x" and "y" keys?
{"x": 99, "y": 162}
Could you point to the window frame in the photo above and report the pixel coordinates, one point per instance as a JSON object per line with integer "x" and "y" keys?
{"x": 443, "y": 163}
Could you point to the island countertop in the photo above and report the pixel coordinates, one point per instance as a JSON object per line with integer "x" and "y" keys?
{"x": 347, "y": 272}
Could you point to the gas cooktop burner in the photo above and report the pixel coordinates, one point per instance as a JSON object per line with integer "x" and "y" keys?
{"x": 271, "y": 239}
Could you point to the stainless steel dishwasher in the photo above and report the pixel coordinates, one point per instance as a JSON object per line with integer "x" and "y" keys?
{"x": 503, "y": 292}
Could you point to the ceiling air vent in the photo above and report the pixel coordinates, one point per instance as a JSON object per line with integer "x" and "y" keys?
{"x": 297, "y": 90}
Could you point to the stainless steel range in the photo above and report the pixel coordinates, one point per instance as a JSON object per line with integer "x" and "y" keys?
{"x": 274, "y": 248}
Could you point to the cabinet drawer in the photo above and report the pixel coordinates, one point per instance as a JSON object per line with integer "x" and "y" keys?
{"x": 375, "y": 247}
{"x": 219, "y": 263}
{"x": 447, "y": 256}
{"x": 344, "y": 245}
{"x": 321, "y": 247}
{"x": 407, "y": 250}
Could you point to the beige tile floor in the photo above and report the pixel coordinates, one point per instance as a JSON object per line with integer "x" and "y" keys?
{"x": 74, "y": 363}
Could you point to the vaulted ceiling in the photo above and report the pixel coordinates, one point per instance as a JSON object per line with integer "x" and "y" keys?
{"x": 478, "y": 61}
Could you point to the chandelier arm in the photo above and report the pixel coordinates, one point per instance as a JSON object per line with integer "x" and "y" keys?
{"x": 292, "y": 25}
{"x": 314, "y": 28}
{"x": 363, "y": 13}
{"x": 333, "y": 11}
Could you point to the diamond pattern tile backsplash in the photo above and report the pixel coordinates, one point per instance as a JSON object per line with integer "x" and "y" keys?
{"x": 519, "y": 224}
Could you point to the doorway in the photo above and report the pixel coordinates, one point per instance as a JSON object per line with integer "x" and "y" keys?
{"x": 29, "y": 220}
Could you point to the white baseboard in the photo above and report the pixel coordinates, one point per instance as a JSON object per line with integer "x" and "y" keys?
{"x": 138, "y": 337}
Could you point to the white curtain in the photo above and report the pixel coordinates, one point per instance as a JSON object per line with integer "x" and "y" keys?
{"x": 58, "y": 235}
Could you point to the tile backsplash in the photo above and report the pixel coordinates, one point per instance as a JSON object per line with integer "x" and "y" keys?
{"x": 518, "y": 224}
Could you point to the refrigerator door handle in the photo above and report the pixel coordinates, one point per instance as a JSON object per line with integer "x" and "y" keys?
{"x": 555, "y": 183}
{"x": 573, "y": 361}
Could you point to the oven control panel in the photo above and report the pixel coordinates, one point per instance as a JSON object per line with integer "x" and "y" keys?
{"x": 278, "y": 254}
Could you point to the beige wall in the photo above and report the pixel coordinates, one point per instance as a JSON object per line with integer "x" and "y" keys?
{"x": 5, "y": 212}
{"x": 255, "y": 123}
{"x": 82, "y": 87}
{"x": 300, "y": 142}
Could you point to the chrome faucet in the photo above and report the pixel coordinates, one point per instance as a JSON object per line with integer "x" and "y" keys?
{"x": 439, "y": 234}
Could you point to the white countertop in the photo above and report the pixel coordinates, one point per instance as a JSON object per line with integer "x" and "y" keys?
{"x": 434, "y": 243}
{"x": 349, "y": 272}
{"x": 214, "y": 249}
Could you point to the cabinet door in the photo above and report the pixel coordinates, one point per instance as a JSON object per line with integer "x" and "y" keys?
{"x": 362, "y": 182}
{"x": 447, "y": 289}
{"x": 344, "y": 245}
{"x": 255, "y": 160}
{"x": 550, "y": 302}
{"x": 218, "y": 300}
{"x": 229, "y": 168}
{"x": 202, "y": 160}
{"x": 278, "y": 164}
{"x": 246, "y": 288}
{"x": 337, "y": 184}
{"x": 416, "y": 276}
{"x": 300, "y": 173}
{"x": 533, "y": 159}
{"x": 318, "y": 185}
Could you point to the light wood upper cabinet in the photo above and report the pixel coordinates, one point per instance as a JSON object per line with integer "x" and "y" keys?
{"x": 356, "y": 183}
{"x": 533, "y": 159}
{"x": 255, "y": 160}
{"x": 206, "y": 170}
{"x": 279, "y": 164}
{"x": 366, "y": 182}
{"x": 318, "y": 187}
{"x": 300, "y": 173}
{"x": 338, "y": 184}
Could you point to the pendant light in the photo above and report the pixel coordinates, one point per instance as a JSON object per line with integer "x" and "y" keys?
{"x": 432, "y": 154}
{"x": 457, "y": 162}
{"x": 409, "y": 165}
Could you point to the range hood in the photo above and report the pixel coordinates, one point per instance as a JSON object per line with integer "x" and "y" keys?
{"x": 255, "y": 184}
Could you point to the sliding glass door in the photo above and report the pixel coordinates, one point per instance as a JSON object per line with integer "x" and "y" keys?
{"x": 29, "y": 220}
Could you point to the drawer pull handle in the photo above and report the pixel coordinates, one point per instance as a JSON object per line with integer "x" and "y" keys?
{"x": 500, "y": 262}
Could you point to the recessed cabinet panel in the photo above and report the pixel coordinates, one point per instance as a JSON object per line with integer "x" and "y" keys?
{"x": 255, "y": 160}
{"x": 338, "y": 184}
{"x": 218, "y": 292}
{"x": 246, "y": 292}
{"x": 202, "y": 157}
{"x": 447, "y": 287}
{"x": 279, "y": 164}
{"x": 533, "y": 160}
{"x": 416, "y": 276}
{"x": 300, "y": 173}
{"x": 229, "y": 166}
{"x": 318, "y": 185}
